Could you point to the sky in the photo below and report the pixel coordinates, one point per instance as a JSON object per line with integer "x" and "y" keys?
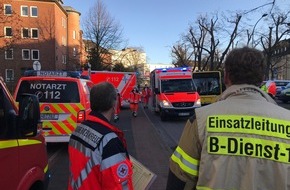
{"x": 156, "y": 25}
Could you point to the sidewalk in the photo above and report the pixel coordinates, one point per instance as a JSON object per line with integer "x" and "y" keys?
{"x": 149, "y": 149}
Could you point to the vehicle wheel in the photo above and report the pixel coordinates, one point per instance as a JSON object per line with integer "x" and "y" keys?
{"x": 163, "y": 116}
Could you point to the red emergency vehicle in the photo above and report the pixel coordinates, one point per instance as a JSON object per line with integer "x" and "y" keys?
{"x": 23, "y": 155}
{"x": 123, "y": 81}
{"x": 64, "y": 100}
{"x": 175, "y": 93}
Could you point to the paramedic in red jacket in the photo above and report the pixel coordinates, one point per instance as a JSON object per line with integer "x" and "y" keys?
{"x": 134, "y": 101}
{"x": 146, "y": 92}
{"x": 117, "y": 108}
{"x": 97, "y": 150}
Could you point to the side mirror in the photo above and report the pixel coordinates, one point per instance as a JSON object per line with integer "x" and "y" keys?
{"x": 156, "y": 90}
{"x": 29, "y": 115}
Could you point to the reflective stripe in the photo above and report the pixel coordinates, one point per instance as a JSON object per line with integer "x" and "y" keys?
{"x": 45, "y": 169}
{"x": 203, "y": 188}
{"x": 113, "y": 160}
{"x": 26, "y": 142}
{"x": 65, "y": 125}
{"x": 185, "y": 162}
{"x": 8, "y": 144}
{"x": 20, "y": 142}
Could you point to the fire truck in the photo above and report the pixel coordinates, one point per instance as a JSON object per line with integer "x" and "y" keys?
{"x": 24, "y": 160}
{"x": 124, "y": 82}
{"x": 175, "y": 93}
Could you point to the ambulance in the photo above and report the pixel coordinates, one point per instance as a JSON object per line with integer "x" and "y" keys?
{"x": 64, "y": 100}
{"x": 23, "y": 155}
{"x": 124, "y": 82}
{"x": 175, "y": 93}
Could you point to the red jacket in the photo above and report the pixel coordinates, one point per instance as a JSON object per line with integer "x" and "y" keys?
{"x": 98, "y": 157}
{"x": 134, "y": 97}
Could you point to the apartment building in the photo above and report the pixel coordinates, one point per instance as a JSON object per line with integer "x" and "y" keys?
{"x": 281, "y": 61}
{"x": 38, "y": 34}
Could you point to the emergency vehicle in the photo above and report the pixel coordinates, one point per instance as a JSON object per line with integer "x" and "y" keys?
{"x": 124, "y": 82}
{"x": 23, "y": 155}
{"x": 209, "y": 85}
{"x": 64, "y": 100}
{"x": 175, "y": 93}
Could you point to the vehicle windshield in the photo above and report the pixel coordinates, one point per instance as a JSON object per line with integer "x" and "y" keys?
{"x": 208, "y": 86}
{"x": 178, "y": 85}
{"x": 50, "y": 91}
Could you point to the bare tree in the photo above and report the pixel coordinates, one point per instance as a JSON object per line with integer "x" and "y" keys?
{"x": 204, "y": 41}
{"x": 5, "y": 20}
{"x": 182, "y": 55}
{"x": 101, "y": 29}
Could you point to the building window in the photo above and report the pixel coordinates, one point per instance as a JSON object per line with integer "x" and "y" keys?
{"x": 63, "y": 39}
{"x": 35, "y": 54}
{"x": 74, "y": 52}
{"x": 74, "y": 34}
{"x": 24, "y": 10}
{"x": 8, "y": 31}
{"x": 25, "y": 54}
{"x": 25, "y": 33}
{"x": 33, "y": 11}
{"x": 7, "y": 9}
{"x": 9, "y": 75}
{"x": 63, "y": 22}
{"x": 9, "y": 54}
{"x": 34, "y": 33}
{"x": 64, "y": 59}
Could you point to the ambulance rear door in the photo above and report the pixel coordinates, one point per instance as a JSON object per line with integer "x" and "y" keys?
{"x": 60, "y": 104}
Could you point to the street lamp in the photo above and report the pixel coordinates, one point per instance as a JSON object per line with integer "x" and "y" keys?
{"x": 252, "y": 34}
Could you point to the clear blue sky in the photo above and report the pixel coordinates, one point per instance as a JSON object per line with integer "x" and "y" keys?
{"x": 155, "y": 25}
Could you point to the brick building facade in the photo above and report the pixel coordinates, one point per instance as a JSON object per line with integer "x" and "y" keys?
{"x": 43, "y": 33}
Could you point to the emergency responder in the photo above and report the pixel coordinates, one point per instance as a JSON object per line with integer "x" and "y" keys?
{"x": 97, "y": 150}
{"x": 241, "y": 141}
{"x": 134, "y": 101}
{"x": 269, "y": 87}
{"x": 117, "y": 106}
{"x": 146, "y": 93}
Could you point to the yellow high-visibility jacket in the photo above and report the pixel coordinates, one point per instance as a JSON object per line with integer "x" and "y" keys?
{"x": 241, "y": 142}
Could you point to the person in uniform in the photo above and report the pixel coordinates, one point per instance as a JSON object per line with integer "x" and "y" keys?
{"x": 134, "y": 101}
{"x": 97, "y": 150}
{"x": 146, "y": 93}
{"x": 240, "y": 142}
{"x": 117, "y": 106}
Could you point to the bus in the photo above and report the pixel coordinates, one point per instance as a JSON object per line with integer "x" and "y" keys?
{"x": 209, "y": 85}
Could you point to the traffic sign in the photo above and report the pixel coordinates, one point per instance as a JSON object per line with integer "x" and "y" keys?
{"x": 36, "y": 65}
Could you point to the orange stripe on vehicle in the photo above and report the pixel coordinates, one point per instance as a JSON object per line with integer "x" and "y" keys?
{"x": 62, "y": 128}
{"x": 70, "y": 125}
{"x": 68, "y": 109}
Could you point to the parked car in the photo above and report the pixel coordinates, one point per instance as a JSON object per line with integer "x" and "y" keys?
{"x": 285, "y": 94}
{"x": 280, "y": 85}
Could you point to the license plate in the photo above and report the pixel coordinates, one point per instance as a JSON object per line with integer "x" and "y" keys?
{"x": 184, "y": 114}
{"x": 48, "y": 116}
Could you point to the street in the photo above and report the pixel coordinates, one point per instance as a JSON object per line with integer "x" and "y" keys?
{"x": 149, "y": 140}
